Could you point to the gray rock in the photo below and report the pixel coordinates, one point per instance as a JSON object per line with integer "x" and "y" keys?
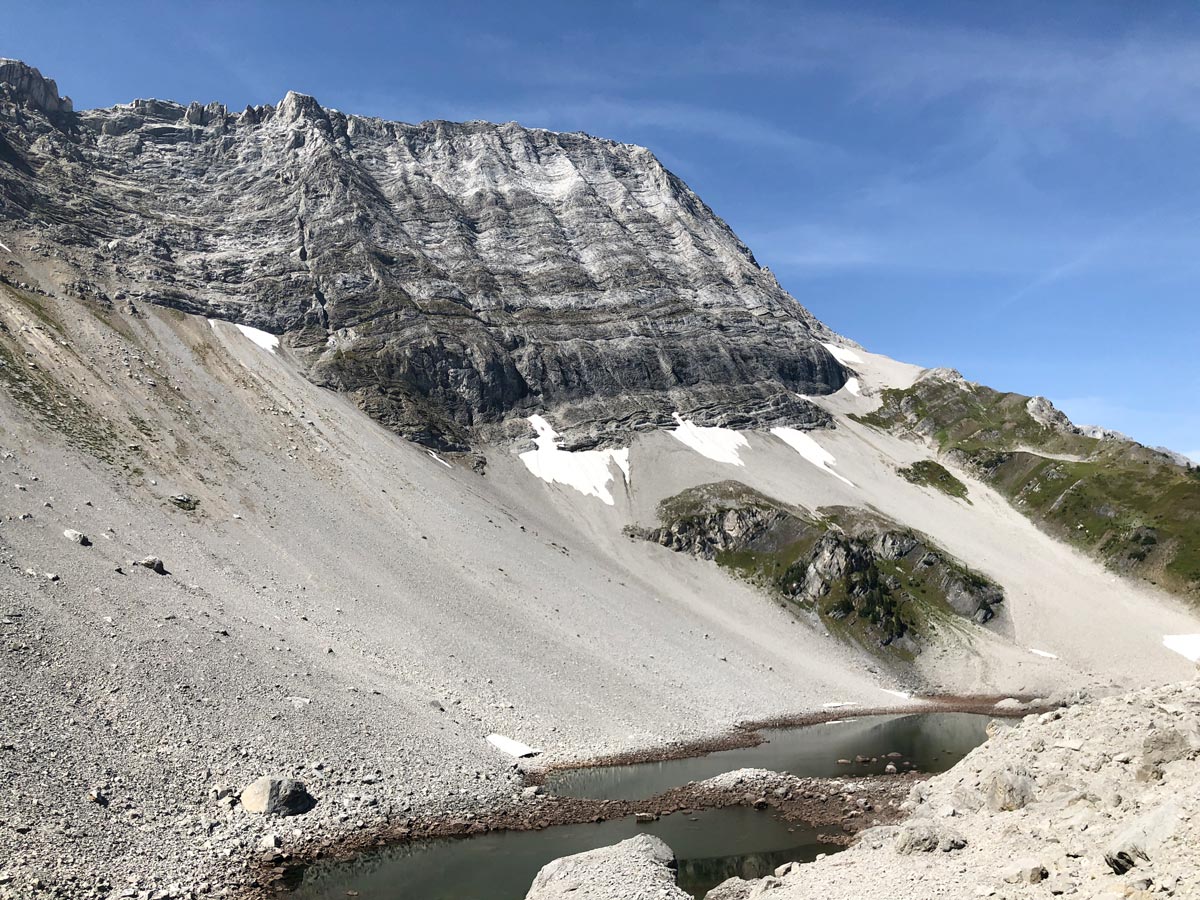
{"x": 920, "y": 837}
{"x": 1025, "y": 871}
{"x": 1009, "y": 791}
{"x": 153, "y": 563}
{"x": 642, "y": 866}
{"x": 1138, "y": 841}
{"x": 1165, "y": 745}
{"x": 276, "y": 797}
{"x": 732, "y": 889}
{"x": 27, "y": 85}
{"x": 77, "y": 537}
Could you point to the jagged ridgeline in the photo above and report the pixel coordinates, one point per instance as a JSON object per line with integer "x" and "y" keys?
{"x": 1136, "y": 508}
{"x": 867, "y": 578}
{"x": 451, "y": 277}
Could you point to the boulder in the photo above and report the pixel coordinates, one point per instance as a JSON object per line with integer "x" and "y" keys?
{"x": 1138, "y": 841}
{"x": 643, "y": 866}
{"x": 1009, "y": 790}
{"x": 732, "y": 889}
{"x": 77, "y": 537}
{"x": 1165, "y": 745}
{"x": 919, "y": 837}
{"x": 272, "y": 796}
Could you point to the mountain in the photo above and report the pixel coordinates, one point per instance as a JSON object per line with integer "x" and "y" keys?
{"x": 334, "y": 446}
{"x": 447, "y": 276}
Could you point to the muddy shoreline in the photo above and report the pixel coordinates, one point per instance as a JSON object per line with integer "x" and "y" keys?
{"x": 843, "y": 805}
{"x": 749, "y": 734}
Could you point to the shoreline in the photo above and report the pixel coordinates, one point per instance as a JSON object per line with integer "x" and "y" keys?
{"x": 807, "y": 799}
{"x": 749, "y": 733}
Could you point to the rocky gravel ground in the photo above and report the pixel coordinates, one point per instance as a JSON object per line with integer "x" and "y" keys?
{"x": 1098, "y": 801}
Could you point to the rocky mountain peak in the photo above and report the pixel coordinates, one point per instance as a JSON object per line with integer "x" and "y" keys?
{"x": 454, "y": 278}
{"x": 27, "y": 85}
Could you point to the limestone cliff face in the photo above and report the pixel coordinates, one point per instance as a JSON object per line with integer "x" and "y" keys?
{"x": 451, "y": 277}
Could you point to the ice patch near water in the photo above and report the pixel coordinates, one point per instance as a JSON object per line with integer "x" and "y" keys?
{"x": 803, "y": 444}
{"x": 844, "y": 355}
{"x": 903, "y": 695}
{"x": 587, "y": 471}
{"x": 1186, "y": 645}
{"x": 720, "y": 444}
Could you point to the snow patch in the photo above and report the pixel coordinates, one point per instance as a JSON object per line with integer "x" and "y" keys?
{"x": 511, "y": 747}
{"x": 4, "y": 247}
{"x": 1045, "y": 653}
{"x": 802, "y": 443}
{"x": 853, "y": 387}
{"x": 844, "y": 355}
{"x": 903, "y": 695}
{"x": 837, "y": 704}
{"x": 437, "y": 458}
{"x": 588, "y": 471}
{"x": 721, "y": 444}
{"x": 264, "y": 339}
{"x": 1186, "y": 645}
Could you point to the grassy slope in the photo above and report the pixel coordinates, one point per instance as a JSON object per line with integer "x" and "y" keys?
{"x": 1130, "y": 506}
{"x": 935, "y": 475}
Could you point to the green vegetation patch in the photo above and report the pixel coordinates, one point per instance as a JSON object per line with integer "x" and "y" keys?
{"x": 933, "y": 474}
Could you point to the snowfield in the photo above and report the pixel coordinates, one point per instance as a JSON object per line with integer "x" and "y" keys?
{"x": 587, "y": 471}
{"x": 721, "y": 444}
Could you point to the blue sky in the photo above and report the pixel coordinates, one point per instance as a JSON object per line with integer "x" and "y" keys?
{"x": 1009, "y": 189}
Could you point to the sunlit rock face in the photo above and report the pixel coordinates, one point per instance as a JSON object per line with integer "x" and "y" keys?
{"x": 453, "y": 278}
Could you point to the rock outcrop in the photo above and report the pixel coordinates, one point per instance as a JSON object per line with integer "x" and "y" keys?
{"x": 452, "y": 278}
{"x": 854, "y": 567}
{"x": 26, "y": 85}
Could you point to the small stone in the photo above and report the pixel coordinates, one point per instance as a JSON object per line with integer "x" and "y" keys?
{"x": 1025, "y": 871}
{"x": 153, "y": 563}
{"x": 77, "y": 537}
{"x": 270, "y": 841}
